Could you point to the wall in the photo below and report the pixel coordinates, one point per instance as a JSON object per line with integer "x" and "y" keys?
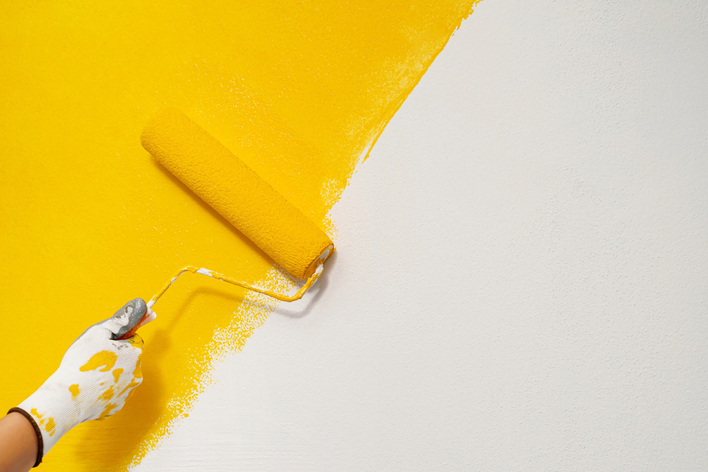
{"x": 520, "y": 276}
{"x": 298, "y": 90}
{"x": 520, "y": 283}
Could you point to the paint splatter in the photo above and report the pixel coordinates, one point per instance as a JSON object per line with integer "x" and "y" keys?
{"x": 300, "y": 91}
{"x": 48, "y": 424}
{"x": 50, "y": 427}
{"x": 104, "y": 359}
{"x": 39, "y": 417}
{"x": 116, "y": 374}
{"x": 74, "y": 389}
{"x": 106, "y": 395}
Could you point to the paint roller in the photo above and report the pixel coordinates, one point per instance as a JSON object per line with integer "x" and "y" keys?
{"x": 241, "y": 196}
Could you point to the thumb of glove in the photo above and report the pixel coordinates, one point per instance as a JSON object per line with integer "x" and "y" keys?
{"x": 123, "y": 320}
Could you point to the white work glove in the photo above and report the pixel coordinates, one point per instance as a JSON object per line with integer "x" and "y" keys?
{"x": 95, "y": 378}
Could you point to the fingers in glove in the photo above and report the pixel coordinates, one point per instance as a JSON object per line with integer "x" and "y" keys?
{"x": 147, "y": 318}
{"x": 122, "y": 321}
{"x": 135, "y": 341}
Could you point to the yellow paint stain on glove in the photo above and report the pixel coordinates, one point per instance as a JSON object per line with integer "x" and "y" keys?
{"x": 38, "y": 416}
{"x": 74, "y": 389}
{"x": 105, "y": 359}
{"x": 107, "y": 411}
{"x": 50, "y": 426}
{"x": 299, "y": 91}
{"x": 48, "y": 423}
{"x": 107, "y": 395}
{"x": 116, "y": 374}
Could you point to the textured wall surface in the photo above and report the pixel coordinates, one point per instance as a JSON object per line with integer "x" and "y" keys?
{"x": 299, "y": 91}
{"x": 520, "y": 282}
{"x": 522, "y": 266}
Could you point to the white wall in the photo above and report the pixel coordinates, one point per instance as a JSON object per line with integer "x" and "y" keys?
{"x": 522, "y": 276}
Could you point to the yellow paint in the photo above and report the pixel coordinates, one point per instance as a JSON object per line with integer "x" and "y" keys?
{"x": 74, "y": 389}
{"x": 48, "y": 423}
{"x": 132, "y": 392}
{"x": 107, "y": 394}
{"x": 107, "y": 411}
{"x": 104, "y": 359}
{"x": 133, "y": 383}
{"x": 138, "y": 372}
{"x": 37, "y": 416}
{"x": 297, "y": 90}
{"x": 116, "y": 374}
{"x": 50, "y": 426}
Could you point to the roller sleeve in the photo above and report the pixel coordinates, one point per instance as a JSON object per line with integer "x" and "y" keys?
{"x": 236, "y": 192}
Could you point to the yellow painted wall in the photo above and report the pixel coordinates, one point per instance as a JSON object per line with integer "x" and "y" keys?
{"x": 88, "y": 220}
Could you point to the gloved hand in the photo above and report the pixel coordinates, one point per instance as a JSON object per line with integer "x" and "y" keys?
{"x": 95, "y": 378}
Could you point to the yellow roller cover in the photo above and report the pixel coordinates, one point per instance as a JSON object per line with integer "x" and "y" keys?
{"x": 236, "y": 192}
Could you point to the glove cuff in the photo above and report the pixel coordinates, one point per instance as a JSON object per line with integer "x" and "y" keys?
{"x": 53, "y": 411}
{"x": 38, "y": 432}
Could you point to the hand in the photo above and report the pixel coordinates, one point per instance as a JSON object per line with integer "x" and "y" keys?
{"x": 96, "y": 376}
